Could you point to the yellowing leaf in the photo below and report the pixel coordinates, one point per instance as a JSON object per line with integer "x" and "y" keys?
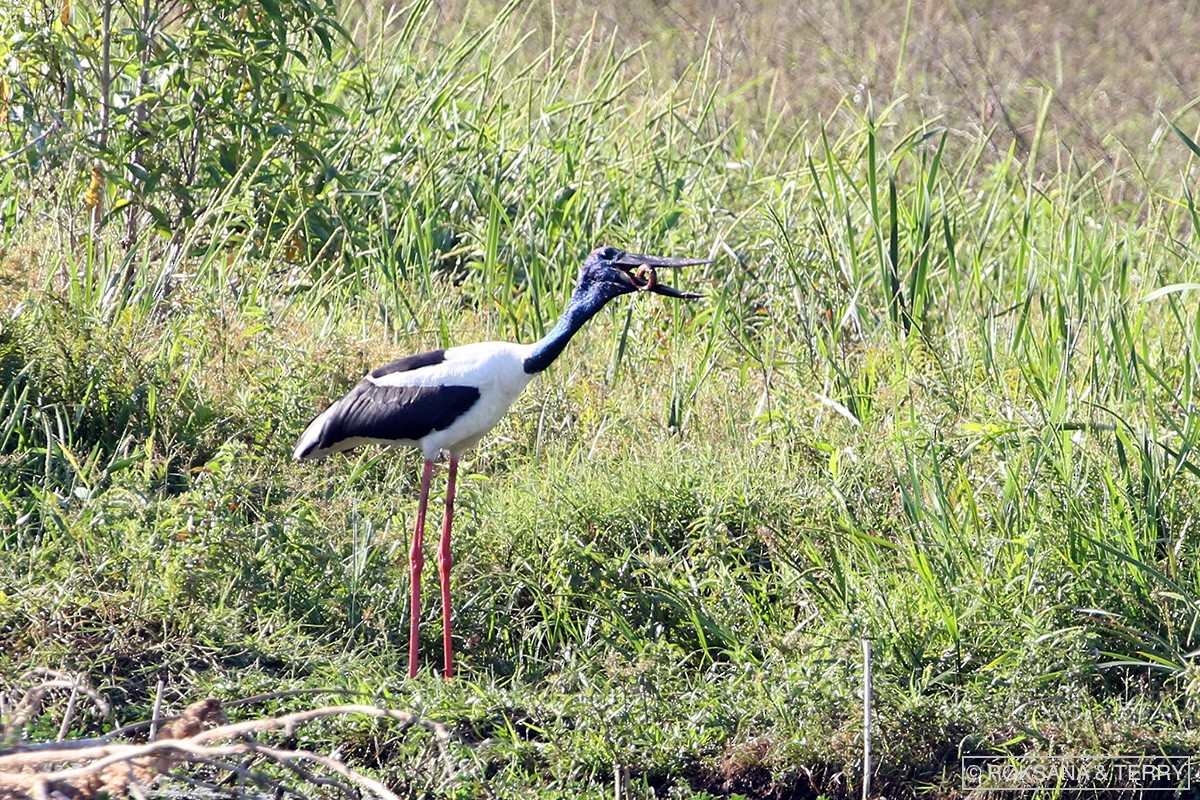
{"x": 95, "y": 190}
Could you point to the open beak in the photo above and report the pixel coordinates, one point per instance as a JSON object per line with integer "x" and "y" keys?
{"x": 641, "y": 271}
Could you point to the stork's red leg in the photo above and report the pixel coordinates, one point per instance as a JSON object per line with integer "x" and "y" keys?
{"x": 416, "y": 560}
{"x": 444, "y": 563}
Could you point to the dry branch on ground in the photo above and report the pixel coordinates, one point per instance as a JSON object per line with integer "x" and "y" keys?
{"x": 200, "y": 736}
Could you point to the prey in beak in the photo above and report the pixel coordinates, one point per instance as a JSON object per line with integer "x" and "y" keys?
{"x": 641, "y": 271}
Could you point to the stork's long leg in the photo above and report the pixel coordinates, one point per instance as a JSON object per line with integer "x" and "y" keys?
{"x": 445, "y": 561}
{"x": 416, "y": 560}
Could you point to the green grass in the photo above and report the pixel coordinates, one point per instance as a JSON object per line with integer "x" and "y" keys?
{"x": 929, "y": 398}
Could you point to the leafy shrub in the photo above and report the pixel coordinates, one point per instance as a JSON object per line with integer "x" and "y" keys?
{"x": 165, "y": 109}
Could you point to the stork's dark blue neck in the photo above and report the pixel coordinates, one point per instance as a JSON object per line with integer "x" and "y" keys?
{"x": 583, "y": 306}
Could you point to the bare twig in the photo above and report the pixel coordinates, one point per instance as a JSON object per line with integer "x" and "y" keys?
{"x": 32, "y": 143}
{"x": 27, "y": 703}
{"x": 106, "y": 81}
{"x": 156, "y": 714}
{"x": 116, "y": 768}
{"x": 262, "y": 698}
{"x": 134, "y": 727}
{"x": 867, "y": 689}
{"x": 129, "y": 765}
{"x": 69, "y": 714}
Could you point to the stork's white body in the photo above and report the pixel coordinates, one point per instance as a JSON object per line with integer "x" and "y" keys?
{"x": 495, "y": 369}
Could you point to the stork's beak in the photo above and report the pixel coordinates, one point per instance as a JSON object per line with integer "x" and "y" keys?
{"x": 640, "y": 270}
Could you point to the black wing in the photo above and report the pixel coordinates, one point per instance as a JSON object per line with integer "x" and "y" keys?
{"x": 409, "y": 363}
{"x": 392, "y": 413}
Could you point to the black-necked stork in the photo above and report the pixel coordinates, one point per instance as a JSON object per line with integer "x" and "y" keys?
{"x": 446, "y": 400}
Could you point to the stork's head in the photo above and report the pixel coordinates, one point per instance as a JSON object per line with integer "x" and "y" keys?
{"x": 610, "y": 272}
